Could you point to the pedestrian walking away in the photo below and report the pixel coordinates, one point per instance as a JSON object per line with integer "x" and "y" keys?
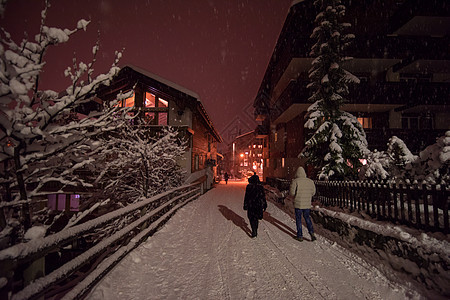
{"x": 303, "y": 188}
{"x": 226, "y": 177}
{"x": 254, "y": 203}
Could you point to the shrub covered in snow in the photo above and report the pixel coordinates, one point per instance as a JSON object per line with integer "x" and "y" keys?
{"x": 432, "y": 165}
{"x": 398, "y": 164}
{"x": 137, "y": 165}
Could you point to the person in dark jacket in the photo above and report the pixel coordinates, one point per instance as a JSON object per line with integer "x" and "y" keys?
{"x": 226, "y": 177}
{"x": 254, "y": 203}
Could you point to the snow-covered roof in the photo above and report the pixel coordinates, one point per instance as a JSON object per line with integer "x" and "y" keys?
{"x": 181, "y": 89}
{"x": 163, "y": 80}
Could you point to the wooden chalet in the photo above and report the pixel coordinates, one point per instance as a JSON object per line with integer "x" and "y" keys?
{"x": 158, "y": 102}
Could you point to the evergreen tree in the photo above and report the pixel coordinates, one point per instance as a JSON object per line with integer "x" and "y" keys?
{"x": 339, "y": 140}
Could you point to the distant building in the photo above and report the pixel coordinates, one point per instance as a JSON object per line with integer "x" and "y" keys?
{"x": 400, "y": 54}
{"x": 244, "y": 156}
{"x": 159, "y": 102}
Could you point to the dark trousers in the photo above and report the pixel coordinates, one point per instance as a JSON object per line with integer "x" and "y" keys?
{"x": 298, "y": 220}
{"x": 253, "y": 219}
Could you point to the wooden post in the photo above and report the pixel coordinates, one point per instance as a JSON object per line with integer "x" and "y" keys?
{"x": 372, "y": 198}
{"x": 395, "y": 195}
{"x": 408, "y": 199}
{"x": 444, "y": 200}
{"x": 402, "y": 204}
{"x": 388, "y": 202}
{"x": 377, "y": 187}
{"x": 416, "y": 194}
{"x": 367, "y": 197}
{"x": 425, "y": 205}
{"x": 435, "y": 199}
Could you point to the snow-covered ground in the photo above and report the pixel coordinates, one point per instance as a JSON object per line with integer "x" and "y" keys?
{"x": 205, "y": 252}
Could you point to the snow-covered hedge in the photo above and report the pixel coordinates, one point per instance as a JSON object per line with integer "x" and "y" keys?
{"x": 398, "y": 164}
{"x": 412, "y": 255}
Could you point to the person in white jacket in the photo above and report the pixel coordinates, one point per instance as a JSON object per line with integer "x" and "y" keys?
{"x": 303, "y": 188}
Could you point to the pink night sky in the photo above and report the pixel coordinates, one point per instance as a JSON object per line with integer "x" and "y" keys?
{"x": 218, "y": 49}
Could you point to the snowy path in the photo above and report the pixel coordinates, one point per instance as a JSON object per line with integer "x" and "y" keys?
{"x": 205, "y": 252}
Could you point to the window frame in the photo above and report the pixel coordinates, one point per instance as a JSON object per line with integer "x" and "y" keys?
{"x": 157, "y": 109}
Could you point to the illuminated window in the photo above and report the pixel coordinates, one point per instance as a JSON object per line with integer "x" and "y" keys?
{"x": 366, "y": 123}
{"x": 282, "y": 162}
{"x": 156, "y": 116}
{"x": 129, "y": 102}
{"x": 162, "y": 103}
{"x": 150, "y": 100}
{"x": 74, "y": 202}
{"x": 59, "y": 202}
{"x": 276, "y": 136}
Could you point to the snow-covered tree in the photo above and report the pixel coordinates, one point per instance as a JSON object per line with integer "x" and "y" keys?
{"x": 397, "y": 164}
{"x": 394, "y": 164}
{"x": 432, "y": 165}
{"x": 338, "y": 141}
{"x": 137, "y": 164}
{"x": 42, "y": 137}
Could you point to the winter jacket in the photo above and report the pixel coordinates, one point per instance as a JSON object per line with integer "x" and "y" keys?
{"x": 255, "y": 198}
{"x": 302, "y": 188}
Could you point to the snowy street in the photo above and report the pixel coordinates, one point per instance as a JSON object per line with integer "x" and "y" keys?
{"x": 205, "y": 252}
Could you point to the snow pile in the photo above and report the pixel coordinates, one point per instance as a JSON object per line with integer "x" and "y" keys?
{"x": 412, "y": 255}
{"x": 35, "y": 232}
{"x": 398, "y": 251}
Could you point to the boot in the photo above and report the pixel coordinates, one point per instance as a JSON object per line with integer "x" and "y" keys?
{"x": 313, "y": 237}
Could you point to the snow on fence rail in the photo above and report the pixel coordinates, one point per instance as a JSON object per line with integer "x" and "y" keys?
{"x": 416, "y": 205}
{"x": 86, "y": 268}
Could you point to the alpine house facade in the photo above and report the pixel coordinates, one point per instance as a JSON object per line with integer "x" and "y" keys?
{"x": 158, "y": 102}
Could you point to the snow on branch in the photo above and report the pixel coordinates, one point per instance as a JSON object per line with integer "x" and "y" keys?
{"x": 43, "y": 136}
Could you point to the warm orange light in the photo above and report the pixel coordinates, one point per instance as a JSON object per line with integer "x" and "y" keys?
{"x": 150, "y": 100}
{"x": 129, "y": 102}
{"x": 241, "y": 155}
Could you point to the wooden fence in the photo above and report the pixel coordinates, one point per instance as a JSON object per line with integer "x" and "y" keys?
{"x": 23, "y": 273}
{"x": 416, "y": 206}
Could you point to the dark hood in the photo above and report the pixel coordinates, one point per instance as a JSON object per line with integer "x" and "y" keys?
{"x": 254, "y": 179}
